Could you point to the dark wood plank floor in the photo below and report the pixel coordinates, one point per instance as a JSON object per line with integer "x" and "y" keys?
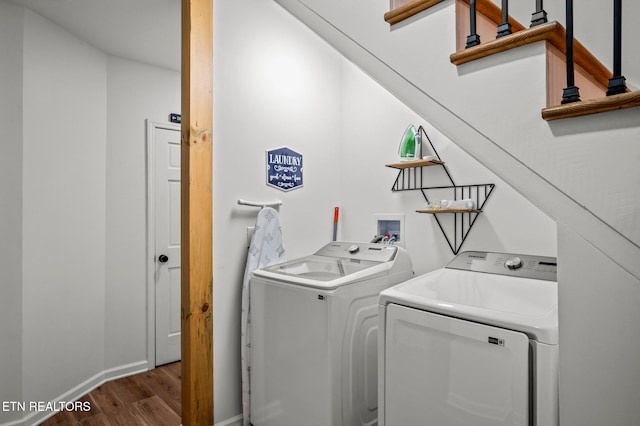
{"x": 151, "y": 398}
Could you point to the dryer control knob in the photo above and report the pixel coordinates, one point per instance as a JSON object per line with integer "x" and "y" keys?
{"x": 513, "y": 263}
{"x": 354, "y": 249}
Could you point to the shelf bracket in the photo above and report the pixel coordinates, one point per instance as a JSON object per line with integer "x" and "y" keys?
{"x": 459, "y": 222}
{"x": 456, "y": 225}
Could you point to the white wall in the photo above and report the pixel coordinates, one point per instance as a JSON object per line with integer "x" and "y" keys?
{"x": 599, "y": 351}
{"x": 507, "y": 135}
{"x": 373, "y": 123}
{"x": 10, "y": 206}
{"x": 82, "y": 172}
{"x": 136, "y": 92}
{"x": 73, "y": 310}
{"x": 275, "y": 84}
{"x": 580, "y": 171}
{"x": 64, "y": 210}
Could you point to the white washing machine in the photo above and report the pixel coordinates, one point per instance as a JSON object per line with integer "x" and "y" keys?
{"x": 314, "y": 335}
{"x": 474, "y": 343}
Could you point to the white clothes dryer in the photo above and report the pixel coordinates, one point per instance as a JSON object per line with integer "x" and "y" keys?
{"x": 474, "y": 343}
{"x": 314, "y": 335}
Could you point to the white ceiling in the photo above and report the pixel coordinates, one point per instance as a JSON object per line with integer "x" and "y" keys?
{"x": 143, "y": 30}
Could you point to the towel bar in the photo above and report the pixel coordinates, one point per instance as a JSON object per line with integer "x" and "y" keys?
{"x": 260, "y": 203}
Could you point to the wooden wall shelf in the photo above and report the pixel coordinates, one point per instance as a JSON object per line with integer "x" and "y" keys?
{"x": 411, "y": 177}
{"x": 429, "y": 211}
{"x": 414, "y": 163}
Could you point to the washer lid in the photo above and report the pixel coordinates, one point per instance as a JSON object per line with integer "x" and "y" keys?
{"x": 516, "y": 303}
{"x": 323, "y": 272}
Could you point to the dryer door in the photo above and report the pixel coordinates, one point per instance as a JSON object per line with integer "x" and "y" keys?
{"x": 443, "y": 371}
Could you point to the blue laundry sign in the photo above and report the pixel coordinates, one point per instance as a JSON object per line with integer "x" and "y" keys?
{"x": 284, "y": 169}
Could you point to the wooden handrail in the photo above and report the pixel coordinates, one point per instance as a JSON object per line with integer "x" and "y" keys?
{"x": 408, "y": 10}
{"x": 485, "y": 7}
{"x": 502, "y": 44}
{"x": 592, "y": 106}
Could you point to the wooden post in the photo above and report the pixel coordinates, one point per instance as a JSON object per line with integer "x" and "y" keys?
{"x": 196, "y": 211}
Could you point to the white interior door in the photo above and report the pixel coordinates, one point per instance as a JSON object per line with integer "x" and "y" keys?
{"x": 167, "y": 243}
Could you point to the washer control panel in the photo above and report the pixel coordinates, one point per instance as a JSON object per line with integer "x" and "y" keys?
{"x": 516, "y": 265}
{"x": 360, "y": 251}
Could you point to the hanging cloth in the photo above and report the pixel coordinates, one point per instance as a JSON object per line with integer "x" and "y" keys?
{"x": 267, "y": 248}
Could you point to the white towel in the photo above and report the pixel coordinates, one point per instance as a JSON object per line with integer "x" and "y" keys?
{"x": 466, "y": 204}
{"x": 267, "y": 248}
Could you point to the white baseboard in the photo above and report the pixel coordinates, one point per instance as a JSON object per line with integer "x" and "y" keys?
{"x": 125, "y": 370}
{"x": 233, "y": 421}
{"x": 18, "y": 422}
{"x": 80, "y": 390}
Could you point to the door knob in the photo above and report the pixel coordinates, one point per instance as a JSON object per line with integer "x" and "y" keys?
{"x": 163, "y": 258}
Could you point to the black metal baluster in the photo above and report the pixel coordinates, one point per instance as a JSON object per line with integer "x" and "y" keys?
{"x": 462, "y": 216}
{"x": 617, "y": 82}
{"x": 571, "y": 93}
{"x": 539, "y": 16}
{"x": 455, "y": 233}
{"x": 505, "y": 27}
{"x": 473, "y": 39}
